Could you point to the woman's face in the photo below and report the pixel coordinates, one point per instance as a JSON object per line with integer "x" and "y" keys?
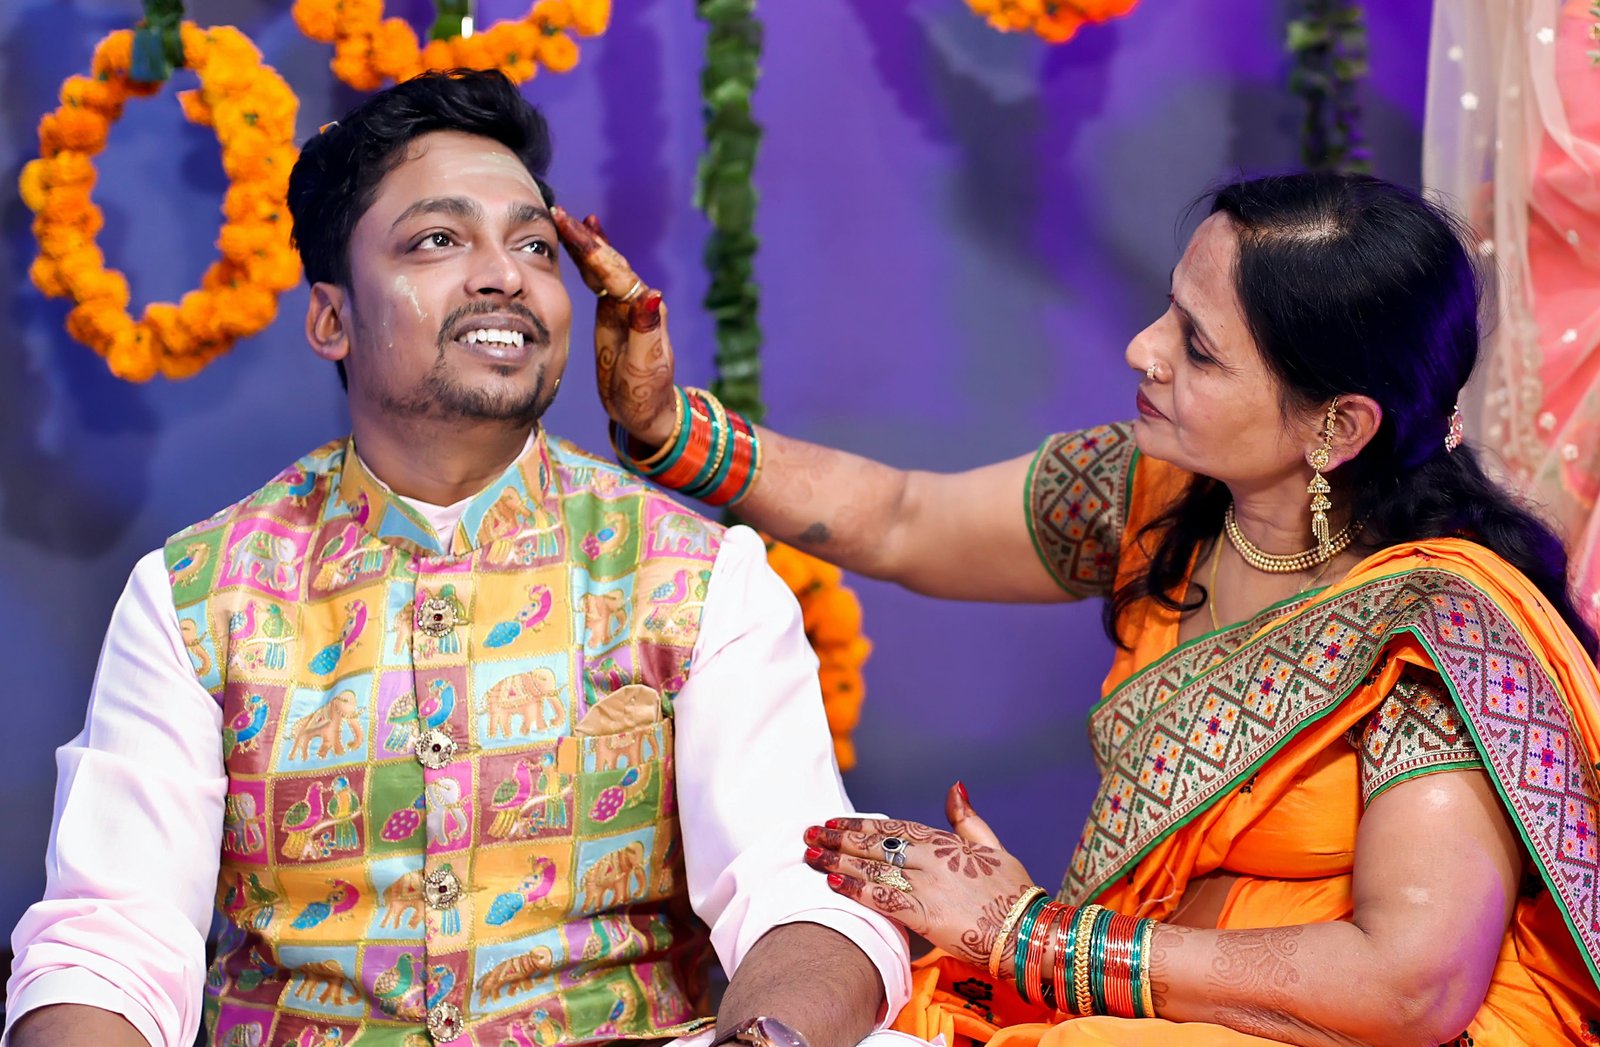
{"x": 1213, "y": 407}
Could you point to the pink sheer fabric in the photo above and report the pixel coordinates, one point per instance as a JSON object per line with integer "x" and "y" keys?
{"x": 1513, "y": 142}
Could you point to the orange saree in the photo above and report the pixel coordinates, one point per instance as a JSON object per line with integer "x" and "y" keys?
{"x": 1234, "y": 752}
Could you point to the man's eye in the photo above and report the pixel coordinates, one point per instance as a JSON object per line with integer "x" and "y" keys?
{"x": 436, "y": 240}
{"x": 539, "y": 247}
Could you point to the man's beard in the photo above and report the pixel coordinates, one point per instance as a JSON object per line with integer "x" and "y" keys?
{"x": 440, "y": 397}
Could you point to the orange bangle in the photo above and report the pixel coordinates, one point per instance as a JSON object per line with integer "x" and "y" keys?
{"x": 695, "y": 455}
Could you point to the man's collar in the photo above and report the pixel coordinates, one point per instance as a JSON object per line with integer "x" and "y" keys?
{"x": 527, "y": 485}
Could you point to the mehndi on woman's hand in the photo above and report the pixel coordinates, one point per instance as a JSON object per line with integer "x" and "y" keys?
{"x": 954, "y": 888}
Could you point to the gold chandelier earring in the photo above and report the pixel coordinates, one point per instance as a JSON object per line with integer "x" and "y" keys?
{"x": 1319, "y": 488}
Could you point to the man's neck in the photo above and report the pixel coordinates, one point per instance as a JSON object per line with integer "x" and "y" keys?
{"x": 435, "y": 463}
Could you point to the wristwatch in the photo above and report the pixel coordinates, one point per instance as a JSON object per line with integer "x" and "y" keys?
{"x": 761, "y": 1032}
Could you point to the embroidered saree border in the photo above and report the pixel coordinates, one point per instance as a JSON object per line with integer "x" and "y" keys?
{"x": 1219, "y": 727}
{"x": 1076, "y": 499}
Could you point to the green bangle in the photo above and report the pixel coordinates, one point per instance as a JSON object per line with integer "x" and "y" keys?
{"x": 1024, "y": 937}
{"x": 1097, "y": 959}
{"x": 677, "y": 448}
{"x": 1135, "y": 980}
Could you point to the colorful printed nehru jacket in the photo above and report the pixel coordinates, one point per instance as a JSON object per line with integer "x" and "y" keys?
{"x": 449, "y": 815}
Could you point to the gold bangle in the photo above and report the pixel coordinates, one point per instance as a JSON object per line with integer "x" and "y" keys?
{"x": 1080, "y": 960}
{"x": 1009, "y": 924}
{"x": 1146, "y": 994}
{"x": 672, "y": 439}
{"x": 719, "y": 415}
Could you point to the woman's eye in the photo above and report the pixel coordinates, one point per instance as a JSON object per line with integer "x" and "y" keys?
{"x": 1193, "y": 353}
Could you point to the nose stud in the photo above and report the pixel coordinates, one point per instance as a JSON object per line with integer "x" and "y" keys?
{"x": 1150, "y": 372}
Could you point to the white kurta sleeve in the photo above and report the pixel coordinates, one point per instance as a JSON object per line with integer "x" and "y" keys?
{"x": 136, "y": 840}
{"x": 755, "y": 767}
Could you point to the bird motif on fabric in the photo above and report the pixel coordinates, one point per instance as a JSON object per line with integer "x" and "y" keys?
{"x": 510, "y": 796}
{"x": 301, "y": 821}
{"x": 628, "y": 791}
{"x": 402, "y": 723}
{"x": 194, "y": 558}
{"x": 242, "y": 625}
{"x": 340, "y": 900}
{"x": 439, "y": 704}
{"x": 399, "y": 988}
{"x": 441, "y": 980}
{"x": 355, "y": 622}
{"x": 610, "y": 536}
{"x": 533, "y": 889}
{"x": 242, "y": 734}
{"x": 246, "y": 901}
{"x": 666, "y": 597}
{"x": 343, "y": 807}
{"x": 528, "y": 619}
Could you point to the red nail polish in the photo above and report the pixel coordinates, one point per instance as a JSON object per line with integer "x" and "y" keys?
{"x": 836, "y": 823}
{"x": 835, "y": 881}
{"x": 962, "y": 789}
{"x": 812, "y": 833}
{"x": 812, "y": 854}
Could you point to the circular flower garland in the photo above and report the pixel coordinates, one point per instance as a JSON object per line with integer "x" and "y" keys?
{"x": 369, "y": 48}
{"x": 1054, "y": 20}
{"x": 253, "y": 112}
{"x": 832, "y": 617}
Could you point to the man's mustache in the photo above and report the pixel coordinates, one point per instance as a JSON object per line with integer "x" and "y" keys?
{"x": 540, "y": 333}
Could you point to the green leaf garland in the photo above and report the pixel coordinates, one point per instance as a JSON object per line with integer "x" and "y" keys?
{"x": 1328, "y": 44}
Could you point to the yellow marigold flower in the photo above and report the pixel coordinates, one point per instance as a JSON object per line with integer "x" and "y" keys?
{"x": 33, "y": 183}
{"x": 558, "y": 52}
{"x": 591, "y": 17}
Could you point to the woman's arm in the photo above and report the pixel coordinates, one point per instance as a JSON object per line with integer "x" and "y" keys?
{"x": 961, "y": 536}
{"x": 1436, "y": 872}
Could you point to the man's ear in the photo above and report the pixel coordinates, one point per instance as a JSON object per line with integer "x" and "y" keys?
{"x": 327, "y": 326}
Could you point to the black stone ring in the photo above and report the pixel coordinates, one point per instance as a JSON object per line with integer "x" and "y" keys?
{"x": 894, "y": 851}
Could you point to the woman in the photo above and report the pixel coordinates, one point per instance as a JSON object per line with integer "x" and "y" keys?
{"x": 1347, "y": 740}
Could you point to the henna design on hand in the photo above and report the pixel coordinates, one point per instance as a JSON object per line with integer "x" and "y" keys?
{"x": 1256, "y": 966}
{"x": 973, "y": 860}
{"x": 978, "y": 942}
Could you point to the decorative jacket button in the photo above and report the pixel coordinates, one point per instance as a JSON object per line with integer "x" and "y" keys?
{"x": 444, "y": 1022}
{"x": 441, "y": 888}
{"x": 435, "y": 749}
{"x": 436, "y": 616}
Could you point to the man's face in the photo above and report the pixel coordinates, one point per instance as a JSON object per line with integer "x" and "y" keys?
{"x": 456, "y": 307}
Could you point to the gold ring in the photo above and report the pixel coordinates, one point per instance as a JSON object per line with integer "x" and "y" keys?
{"x": 633, "y": 292}
{"x": 1150, "y": 372}
{"x": 889, "y": 876}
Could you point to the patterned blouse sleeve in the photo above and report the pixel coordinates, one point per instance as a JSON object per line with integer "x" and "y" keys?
{"x": 1077, "y": 490}
{"x": 1415, "y": 731}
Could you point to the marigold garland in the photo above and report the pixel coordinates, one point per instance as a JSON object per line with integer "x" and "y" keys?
{"x": 369, "y": 49}
{"x": 253, "y": 111}
{"x": 1054, "y": 20}
{"x": 832, "y": 617}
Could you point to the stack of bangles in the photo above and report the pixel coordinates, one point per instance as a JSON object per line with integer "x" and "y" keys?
{"x": 1080, "y": 959}
{"x": 713, "y": 453}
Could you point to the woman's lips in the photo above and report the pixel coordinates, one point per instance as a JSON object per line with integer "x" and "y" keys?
{"x": 1146, "y": 408}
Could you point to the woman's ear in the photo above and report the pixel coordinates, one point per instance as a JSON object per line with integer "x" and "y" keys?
{"x": 1357, "y": 423}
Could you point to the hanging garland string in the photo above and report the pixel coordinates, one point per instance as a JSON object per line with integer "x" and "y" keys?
{"x": 1056, "y": 21}
{"x": 369, "y": 49}
{"x": 1328, "y": 48}
{"x": 725, "y": 191}
{"x": 252, "y": 111}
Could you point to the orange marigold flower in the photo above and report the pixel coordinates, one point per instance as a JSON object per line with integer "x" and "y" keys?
{"x": 60, "y": 242}
{"x": 195, "y": 109}
{"x": 34, "y": 183}
{"x": 88, "y": 92}
{"x": 132, "y": 355}
{"x": 97, "y": 324}
{"x": 318, "y": 19}
{"x": 165, "y": 324}
{"x": 81, "y": 130}
{"x": 70, "y": 168}
{"x": 557, "y": 14}
{"x": 274, "y": 270}
{"x": 590, "y": 17}
{"x": 559, "y": 52}
{"x": 46, "y": 276}
{"x": 105, "y": 286}
{"x": 113, "y": 55}
{"x": 395, "y": 53}
{"x": 241, "y": 241}
{"x": 350, "y": 63}
{"x": 438, "y": 54}
{"x": 360, "y": 15}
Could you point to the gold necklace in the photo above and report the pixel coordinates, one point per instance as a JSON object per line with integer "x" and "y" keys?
{"x": 1211, "y": 585}
{"x": 1294, "y": 563}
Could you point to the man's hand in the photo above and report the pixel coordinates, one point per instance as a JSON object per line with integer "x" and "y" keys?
{"x": 632, "y": 353}
{"x": 75, "y": 1025}
{"x": 811, "y": 978}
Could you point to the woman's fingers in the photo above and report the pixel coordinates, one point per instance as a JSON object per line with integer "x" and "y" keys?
{"x": 603, "y": 267}
{"x": 965, "y": 821}
{"x": 901, "y": 906}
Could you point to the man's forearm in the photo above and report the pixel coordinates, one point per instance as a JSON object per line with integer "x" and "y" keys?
{"x": 811, "y": 978}
{"x": 75, "y": 1025}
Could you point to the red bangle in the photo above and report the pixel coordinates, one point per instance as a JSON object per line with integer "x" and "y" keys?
{"x": 1061, "y": 975}
{"x": 1040, "y": 948}
{"x": 696, "y": 456}
{"x": 1119, "y": 965}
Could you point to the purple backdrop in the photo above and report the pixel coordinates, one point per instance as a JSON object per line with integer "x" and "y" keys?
{"x": 961, "y": 230}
